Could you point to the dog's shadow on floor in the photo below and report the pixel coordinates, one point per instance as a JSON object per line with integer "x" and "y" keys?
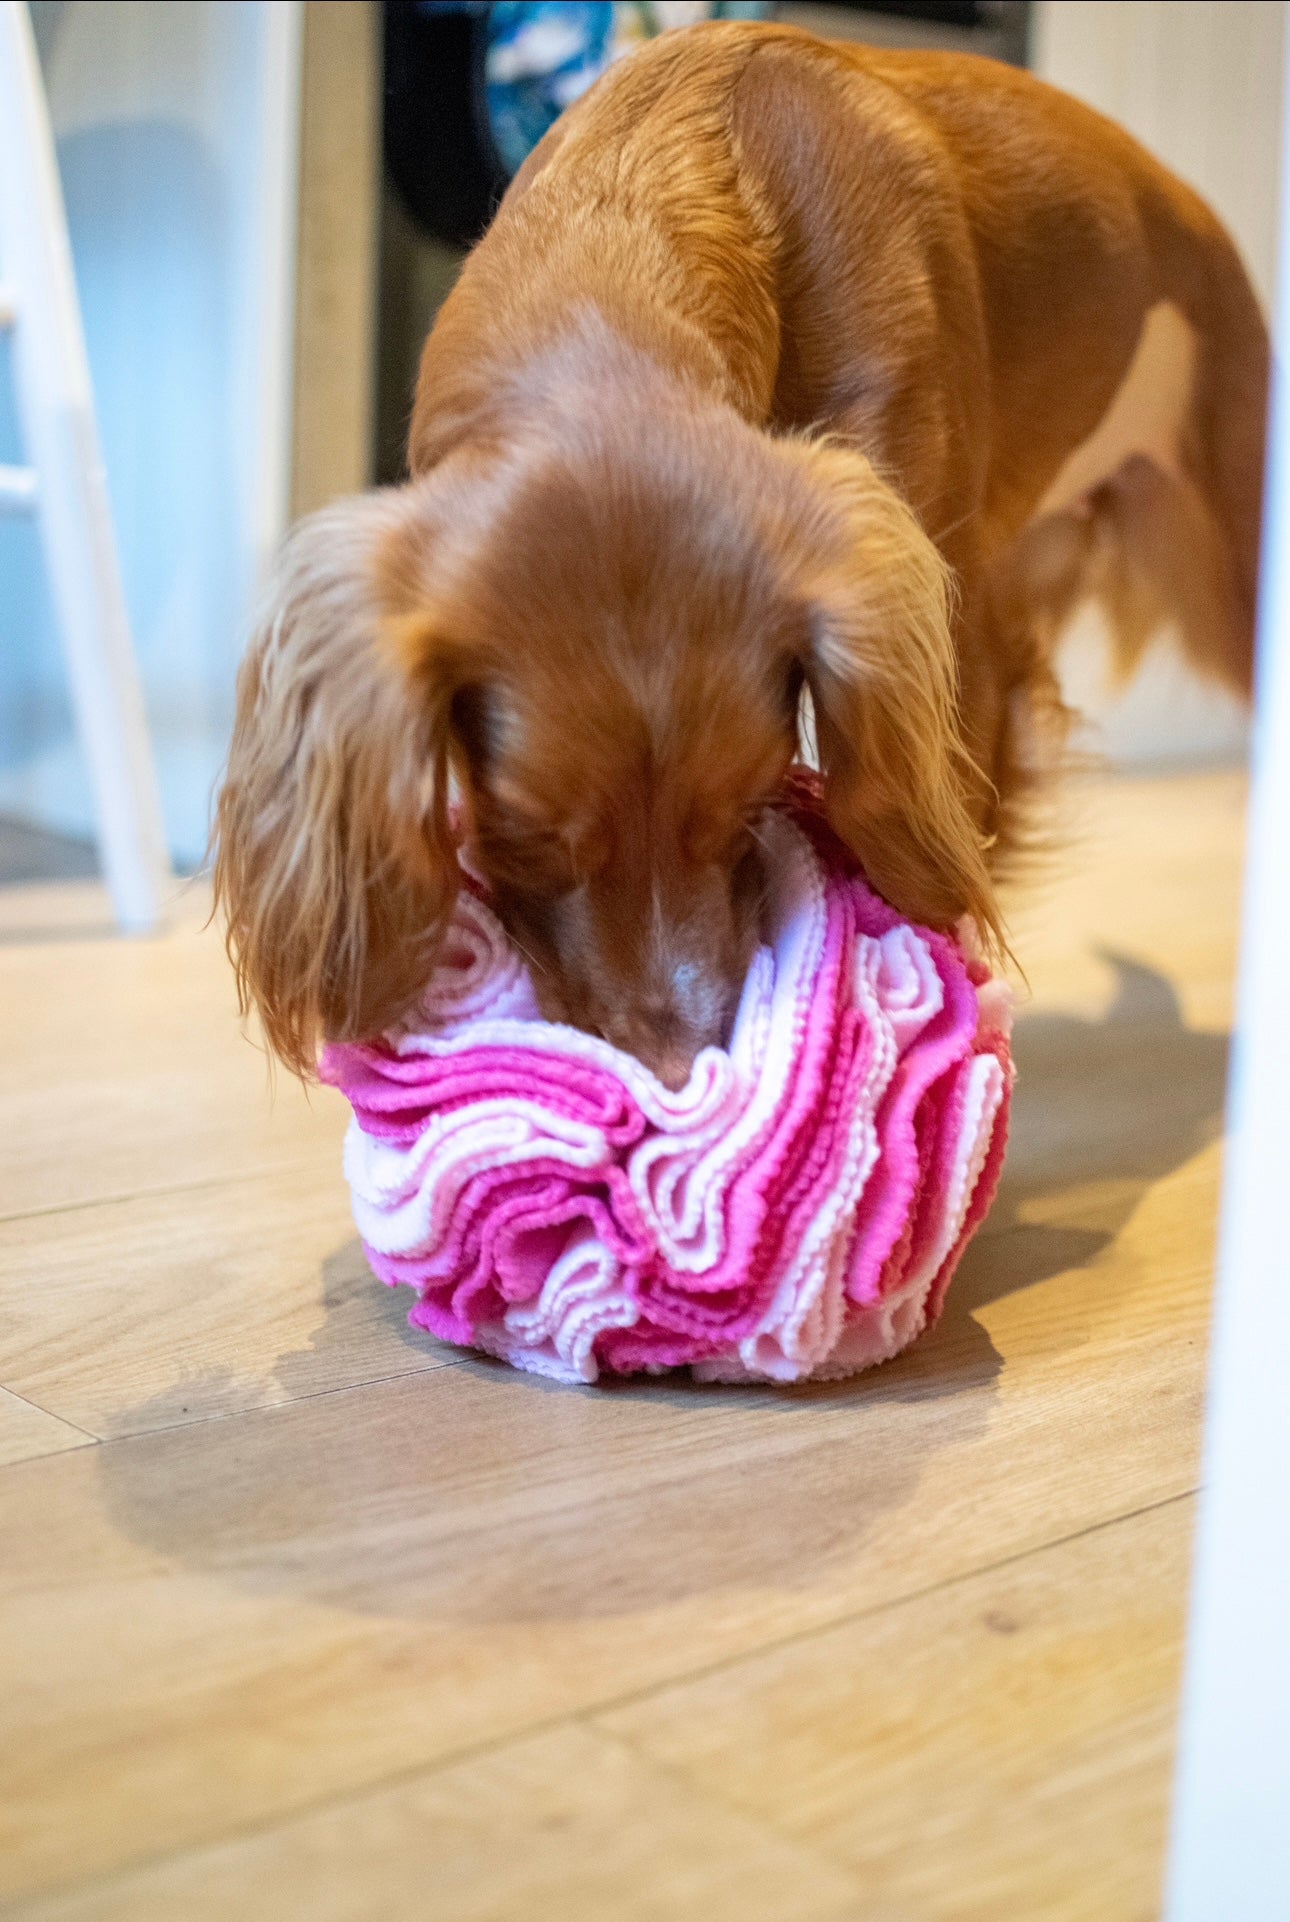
{"x": 472, "y": 1493}
{"x": 1103, "y": 1109}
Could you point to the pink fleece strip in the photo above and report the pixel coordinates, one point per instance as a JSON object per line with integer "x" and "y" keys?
{"x": 796, "y": 1210}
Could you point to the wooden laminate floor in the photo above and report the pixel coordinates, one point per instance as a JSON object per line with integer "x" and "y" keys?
{"x": 305, "y": 1616}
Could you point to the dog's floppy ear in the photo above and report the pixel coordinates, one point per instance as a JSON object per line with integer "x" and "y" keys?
{"x": 335, "y": 867}
{"x": 879, "y": 662}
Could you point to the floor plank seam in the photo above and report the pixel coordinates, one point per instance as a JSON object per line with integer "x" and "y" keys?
{"x": 691, "y": 1790}
{"x": 53, "y": 1414}
{"x": 803, "y": 1636}
{"x": 289, "y": 1401}
{"x": 51, "y": 1454}
{"x": 196, "y": 1186}
{"x": 239, "y": 1414}
{"x": 586, "y": 1716}
{"x": 330, "y": 1653}
{"x": 464, "y": 1528}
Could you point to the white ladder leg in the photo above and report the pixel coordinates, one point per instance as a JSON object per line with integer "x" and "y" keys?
{"x": 55, "y": 407}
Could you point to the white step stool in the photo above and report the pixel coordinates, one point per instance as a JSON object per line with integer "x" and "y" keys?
{"x": 64, "y": 484}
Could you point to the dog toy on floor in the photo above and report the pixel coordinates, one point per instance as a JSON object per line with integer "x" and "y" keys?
{"x": 795, "y": 1211}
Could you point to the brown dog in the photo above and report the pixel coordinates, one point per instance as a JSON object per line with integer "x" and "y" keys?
{"x": 784, "y": 365}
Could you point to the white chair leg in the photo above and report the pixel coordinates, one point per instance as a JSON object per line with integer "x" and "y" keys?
{"x": 56, "y": 413}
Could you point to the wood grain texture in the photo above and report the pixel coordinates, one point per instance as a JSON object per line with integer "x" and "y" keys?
{"x": 297, "y": 1602}
{"x": 1147, "y": 868}
{"x": 124, "y": 1069}
{"x": 26, "y": 1431}
{"x": 336, "y": 257}
{"x": 566, "y": 1824}
{"x": 137, "y": 1314}
{"x": 1025, "y": 1713}
{"x": 314, "y": 1586}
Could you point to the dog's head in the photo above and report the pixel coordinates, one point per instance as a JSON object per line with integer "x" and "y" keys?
{"x": 603, "y": 631}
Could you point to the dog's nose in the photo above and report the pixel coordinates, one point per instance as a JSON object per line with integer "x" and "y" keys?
{"x": 672, "y": 1066}
{"x": 667, "y": 1058}
{"x": 663, "y": 1035}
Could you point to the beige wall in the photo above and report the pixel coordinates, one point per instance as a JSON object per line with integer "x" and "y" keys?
{"x": 1199, "y": 82}
{"x": 336, "y": 262}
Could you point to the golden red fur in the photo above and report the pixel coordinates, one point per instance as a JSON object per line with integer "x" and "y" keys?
{"x": 764, "y": 378}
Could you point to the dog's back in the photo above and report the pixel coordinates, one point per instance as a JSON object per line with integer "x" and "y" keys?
{"x": 865, "y": 341}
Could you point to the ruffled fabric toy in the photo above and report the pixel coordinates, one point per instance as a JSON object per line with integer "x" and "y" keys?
{"x": 796, "y": 1211}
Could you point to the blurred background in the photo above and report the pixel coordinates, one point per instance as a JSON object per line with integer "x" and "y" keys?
{"x": 268, "y": 199}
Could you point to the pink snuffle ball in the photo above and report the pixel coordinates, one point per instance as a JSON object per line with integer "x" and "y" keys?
{"x": 795, "y": 1211}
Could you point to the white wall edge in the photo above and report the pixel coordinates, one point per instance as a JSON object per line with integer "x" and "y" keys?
{"x": 1230, "y": 1845}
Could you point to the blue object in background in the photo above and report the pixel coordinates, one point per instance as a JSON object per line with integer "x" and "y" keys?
{"x": 541, "y": 57}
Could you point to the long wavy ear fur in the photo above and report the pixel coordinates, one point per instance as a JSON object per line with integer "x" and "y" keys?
{"x": 334, "y": 866}
{"x": 880, "y": 666}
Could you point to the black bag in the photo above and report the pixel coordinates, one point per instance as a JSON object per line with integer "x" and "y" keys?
{"x": 438, "y": 147}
